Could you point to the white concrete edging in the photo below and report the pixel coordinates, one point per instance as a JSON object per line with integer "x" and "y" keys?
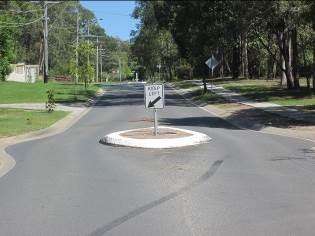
{"x": 194, "y": 139}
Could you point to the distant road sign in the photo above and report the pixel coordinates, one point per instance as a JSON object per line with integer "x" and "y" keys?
{"x": 154, "y": 96}
{"x": 212, "y": 62}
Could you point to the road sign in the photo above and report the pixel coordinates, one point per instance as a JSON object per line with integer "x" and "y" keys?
{"x": 154, "y": 96}
{"x": 212, "y": 62}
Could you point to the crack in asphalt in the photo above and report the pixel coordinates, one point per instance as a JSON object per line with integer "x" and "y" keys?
{"x": 134, "y": 213}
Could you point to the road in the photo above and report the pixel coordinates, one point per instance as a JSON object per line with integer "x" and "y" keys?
{"x": 241, "y": 183}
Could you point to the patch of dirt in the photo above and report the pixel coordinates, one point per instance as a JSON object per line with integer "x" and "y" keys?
{"x": 148, "y": 133}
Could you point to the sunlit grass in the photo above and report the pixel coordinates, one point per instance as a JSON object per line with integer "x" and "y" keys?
{"x": 14, "y": 92}
{"x": 271, "y": 91}
{"x": 18, "y": 121}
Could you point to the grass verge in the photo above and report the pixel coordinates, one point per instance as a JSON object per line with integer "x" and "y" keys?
{"x": 185, "y": 84}
{"x": 212, "y": 98}
{"x": 271, "y": 91}
{"x": 14, "y": 92}
{"x": 18, "y": 121}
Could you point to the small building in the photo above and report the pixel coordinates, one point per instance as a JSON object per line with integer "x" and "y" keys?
{"x": 23, "y": 73}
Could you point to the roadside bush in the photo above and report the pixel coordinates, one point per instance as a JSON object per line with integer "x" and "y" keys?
{"x": 50, "y": 104}
{"x": 183, "y": 71}
{"x": 4, "y": 68}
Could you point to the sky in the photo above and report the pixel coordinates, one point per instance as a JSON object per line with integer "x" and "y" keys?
{"x": 116, "y": 15}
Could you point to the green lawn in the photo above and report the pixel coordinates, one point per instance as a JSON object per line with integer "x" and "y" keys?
{"x": 18, "y": 121}
{"x": 212, "y": 98}
{"x": 185, "y": 84}
{"x": 14, "y": 92}
{"x": 270, "y": 91}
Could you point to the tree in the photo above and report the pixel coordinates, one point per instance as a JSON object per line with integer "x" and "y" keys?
{"x": 239, "y": 32}
{"x": 152, "y": 45}
{"x": 24, "y": 19}
{"x": 6, "y": 47}
{"x": 86, "y": 70}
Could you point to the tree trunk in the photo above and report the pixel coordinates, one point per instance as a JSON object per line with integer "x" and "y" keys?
{"x": 283, "y": 81}
{"x": 269, "y": 61}
{"x": 170, "y": 73}
{"x": 294, "y": 58}
{"x": 306, "y": 72}
{"x": 222, "y": 65}
{"x": 269, "y": 68}
{"x": 245, "y": 56}
{"x": 313, "y": 59}
{"x": 287, "y": 59}
{"x": 190, "y": 73}
{"x": 274, "y": 69}
{"x": 227, "y": 66}
{"x": 235, "y": 61}
{"x": 204, "y": 75}
{"x": 242, "y": 64}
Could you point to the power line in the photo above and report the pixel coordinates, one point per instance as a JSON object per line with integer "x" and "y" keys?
{"x": 21, "y": 11}
{"x": 24, "y": 11}
{"x": 61, "y": 13}
{"x": 14, "y": 25}
{"x": 62, "y": 28}
{"x": 9, "y": 23}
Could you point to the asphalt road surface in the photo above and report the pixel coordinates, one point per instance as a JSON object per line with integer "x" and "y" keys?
{"x": 241, "y": 183}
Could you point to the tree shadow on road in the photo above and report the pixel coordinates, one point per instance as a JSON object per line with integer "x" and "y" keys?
{"x": 130, "y": 96}
{"x": 253, "y": 118}
{"x": 198, "y": 121}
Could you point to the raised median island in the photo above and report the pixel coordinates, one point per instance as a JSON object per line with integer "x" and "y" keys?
{"x": 168, "y": 137}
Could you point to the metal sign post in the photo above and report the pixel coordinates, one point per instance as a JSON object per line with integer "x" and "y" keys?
{"x": 154, "y": 99}
{"x": 155, "y": 122}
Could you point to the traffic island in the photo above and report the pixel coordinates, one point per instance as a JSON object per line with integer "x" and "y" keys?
{"x": 167, "y": 137}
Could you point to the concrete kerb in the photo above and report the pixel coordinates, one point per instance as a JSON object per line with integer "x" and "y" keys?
{"x": 7, "y": 163}
{"x": 194, "y": 138}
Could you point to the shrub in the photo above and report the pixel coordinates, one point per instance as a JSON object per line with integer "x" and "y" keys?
{"x": 50, "y": 104}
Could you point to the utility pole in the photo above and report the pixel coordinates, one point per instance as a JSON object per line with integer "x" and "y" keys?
{"x": 88, "y": 29}
{"x": 77, "y": 50}
{"x": 96, "y": 60}
{"x": 101, "y": 63}
{"x": 119, "y": 69}
{"x": 46, "y": 39}
{"x": 45, "y": 34}
{"x": 119, "y": 49}
{"x": 45, "y": 44}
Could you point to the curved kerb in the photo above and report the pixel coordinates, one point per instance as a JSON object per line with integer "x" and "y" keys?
{"x": 195, "y": 138}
